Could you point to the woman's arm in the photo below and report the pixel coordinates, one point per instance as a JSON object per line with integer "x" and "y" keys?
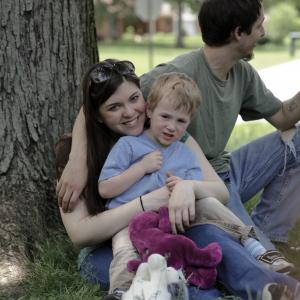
{"x": 212, "y": 185}
{"x": 85, "y": 230}
{"x": 186, "y": 192}
{"x": 70, "y": 186}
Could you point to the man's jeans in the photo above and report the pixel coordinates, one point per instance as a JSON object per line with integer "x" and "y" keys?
{"x": 272, "y": 165}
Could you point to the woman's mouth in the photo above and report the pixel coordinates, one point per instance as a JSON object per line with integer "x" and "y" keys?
{"x": 131, "y": 122}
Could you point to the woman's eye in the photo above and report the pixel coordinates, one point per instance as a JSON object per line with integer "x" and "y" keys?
{"x": 114, "y": 107}
{"x": 134, "y": 98}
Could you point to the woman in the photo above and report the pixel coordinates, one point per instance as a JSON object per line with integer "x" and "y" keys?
{"x": 114, "y": 106}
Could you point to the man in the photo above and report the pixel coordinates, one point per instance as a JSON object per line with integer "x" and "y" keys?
{"x": 230, "y": 86}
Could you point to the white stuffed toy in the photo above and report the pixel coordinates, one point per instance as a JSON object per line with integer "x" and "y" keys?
{"x": 155, "y": 281}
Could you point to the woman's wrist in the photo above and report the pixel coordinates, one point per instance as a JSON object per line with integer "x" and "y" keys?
{"x": 142, "y": 204}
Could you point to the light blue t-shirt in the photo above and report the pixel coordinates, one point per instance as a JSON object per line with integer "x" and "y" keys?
{"x": 177, "y": 158}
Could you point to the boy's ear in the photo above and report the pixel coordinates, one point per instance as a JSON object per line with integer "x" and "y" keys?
{"x": 148, "y": 111}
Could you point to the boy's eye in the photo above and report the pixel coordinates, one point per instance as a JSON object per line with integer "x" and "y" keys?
{"x": 165, "y": 116}
{"x": 182, "y": 121}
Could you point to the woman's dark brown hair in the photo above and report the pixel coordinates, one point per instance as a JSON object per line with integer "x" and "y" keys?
{"x": 100, "y": 139}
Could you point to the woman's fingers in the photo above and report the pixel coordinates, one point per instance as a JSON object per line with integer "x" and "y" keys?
{"x": 66, "y": 200}
{"x": 192, "y": 213}
{"x": 61, "y": 194}
{"x": 186, "y": 218}
{"x": 73, "y": 200}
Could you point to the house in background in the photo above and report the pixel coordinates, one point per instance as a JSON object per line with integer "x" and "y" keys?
{"x": 113, "y": 25}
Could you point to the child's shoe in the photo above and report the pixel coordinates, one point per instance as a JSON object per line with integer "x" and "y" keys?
{"x": 115, "y": 295}
{"x": 275, "y": 261}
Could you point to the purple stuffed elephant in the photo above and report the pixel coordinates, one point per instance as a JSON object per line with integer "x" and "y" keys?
{"x": 150, "y": 232}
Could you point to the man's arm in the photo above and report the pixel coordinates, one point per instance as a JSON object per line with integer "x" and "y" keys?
{"x": 288, "y": 115}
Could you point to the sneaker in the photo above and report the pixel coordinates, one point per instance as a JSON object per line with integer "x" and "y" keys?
{"x": 275, "y": 291}
{"x": 116, "y": 295}
{"x": 275, "y": 261}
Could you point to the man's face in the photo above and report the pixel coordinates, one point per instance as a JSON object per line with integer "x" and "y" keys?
{"x": 249, "y": 41}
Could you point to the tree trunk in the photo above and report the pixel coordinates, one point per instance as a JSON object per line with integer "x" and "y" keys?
{"x": 179, "y": 41}
{"x": 45, "y": 48}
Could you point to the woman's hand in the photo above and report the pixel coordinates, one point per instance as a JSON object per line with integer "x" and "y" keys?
{"x": 71, "y": 184}
{"x": 182, "y": 206}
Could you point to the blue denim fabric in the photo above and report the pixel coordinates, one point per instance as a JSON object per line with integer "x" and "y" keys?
{"x": 271, "y": 164}
{"x": 239, "y": 272}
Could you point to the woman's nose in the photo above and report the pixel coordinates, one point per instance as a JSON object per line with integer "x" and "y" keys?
{"x": 128, "y": 111}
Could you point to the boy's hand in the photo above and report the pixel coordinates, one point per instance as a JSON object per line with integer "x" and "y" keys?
{"x": 152, "y": 162}
{"x": 171, "y": 181}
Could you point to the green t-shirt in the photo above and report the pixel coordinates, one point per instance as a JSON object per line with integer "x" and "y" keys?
{"x": 243, "y": 92}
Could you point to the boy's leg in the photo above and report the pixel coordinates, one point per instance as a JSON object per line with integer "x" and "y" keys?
{"x": 254, "y": 166}
{"x": 123, "y": 251}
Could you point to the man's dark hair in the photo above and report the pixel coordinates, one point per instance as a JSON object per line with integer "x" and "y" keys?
{"x": 219, "y": 18}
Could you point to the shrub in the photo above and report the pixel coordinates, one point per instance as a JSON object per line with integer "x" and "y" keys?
{"x": 282, "y": 19}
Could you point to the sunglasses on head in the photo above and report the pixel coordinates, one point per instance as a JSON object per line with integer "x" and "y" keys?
{"x": 104, "y": 72}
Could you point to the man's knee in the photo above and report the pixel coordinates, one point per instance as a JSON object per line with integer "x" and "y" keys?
{"x": 288, "y": 135}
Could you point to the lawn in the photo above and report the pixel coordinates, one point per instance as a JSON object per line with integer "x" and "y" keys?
{"x": 137, "y": 51}
{"x": 54, "y": 274}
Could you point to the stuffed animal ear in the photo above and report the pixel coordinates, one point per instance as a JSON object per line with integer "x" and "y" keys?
{"x": 164, "y": 223}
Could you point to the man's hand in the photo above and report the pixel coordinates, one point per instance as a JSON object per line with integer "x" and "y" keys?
{"x": 71, "y": 184}
{"x": 152, "y": 162}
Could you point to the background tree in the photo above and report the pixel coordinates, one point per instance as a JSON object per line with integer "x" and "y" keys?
{"x": 45, "y": 48}
{"x": 114, "y": 11}
{"x": 179, "y": 5}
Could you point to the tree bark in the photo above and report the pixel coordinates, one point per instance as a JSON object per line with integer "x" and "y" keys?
{"x": 45, "y": 48}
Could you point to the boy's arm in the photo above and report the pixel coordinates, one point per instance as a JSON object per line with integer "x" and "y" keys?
{"x": 116, "y": 185}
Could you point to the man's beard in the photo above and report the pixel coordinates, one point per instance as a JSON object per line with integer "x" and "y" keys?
{"x": 249, "y": 57}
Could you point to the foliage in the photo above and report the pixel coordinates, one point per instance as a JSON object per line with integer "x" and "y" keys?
{"x": 282, "y": 19}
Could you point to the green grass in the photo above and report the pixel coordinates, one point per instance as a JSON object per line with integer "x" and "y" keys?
{"x": 54, "y": 273}
{"x": 136, "y": 50}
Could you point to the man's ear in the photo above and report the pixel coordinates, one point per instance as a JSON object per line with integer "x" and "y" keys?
{"x": 237, "y": 33}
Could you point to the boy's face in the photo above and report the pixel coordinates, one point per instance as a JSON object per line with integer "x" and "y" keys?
{"x": 167, "y": 124}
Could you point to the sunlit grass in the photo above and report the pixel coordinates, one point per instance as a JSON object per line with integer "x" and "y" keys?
{"x": 136, "y": 49}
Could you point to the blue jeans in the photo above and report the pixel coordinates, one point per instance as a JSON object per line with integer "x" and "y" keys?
{"x": 271, "y": 165}
{"x": 240, "y": 273}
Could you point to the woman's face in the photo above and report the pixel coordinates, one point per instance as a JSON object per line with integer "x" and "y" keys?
{"x": 124, "y": 111}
